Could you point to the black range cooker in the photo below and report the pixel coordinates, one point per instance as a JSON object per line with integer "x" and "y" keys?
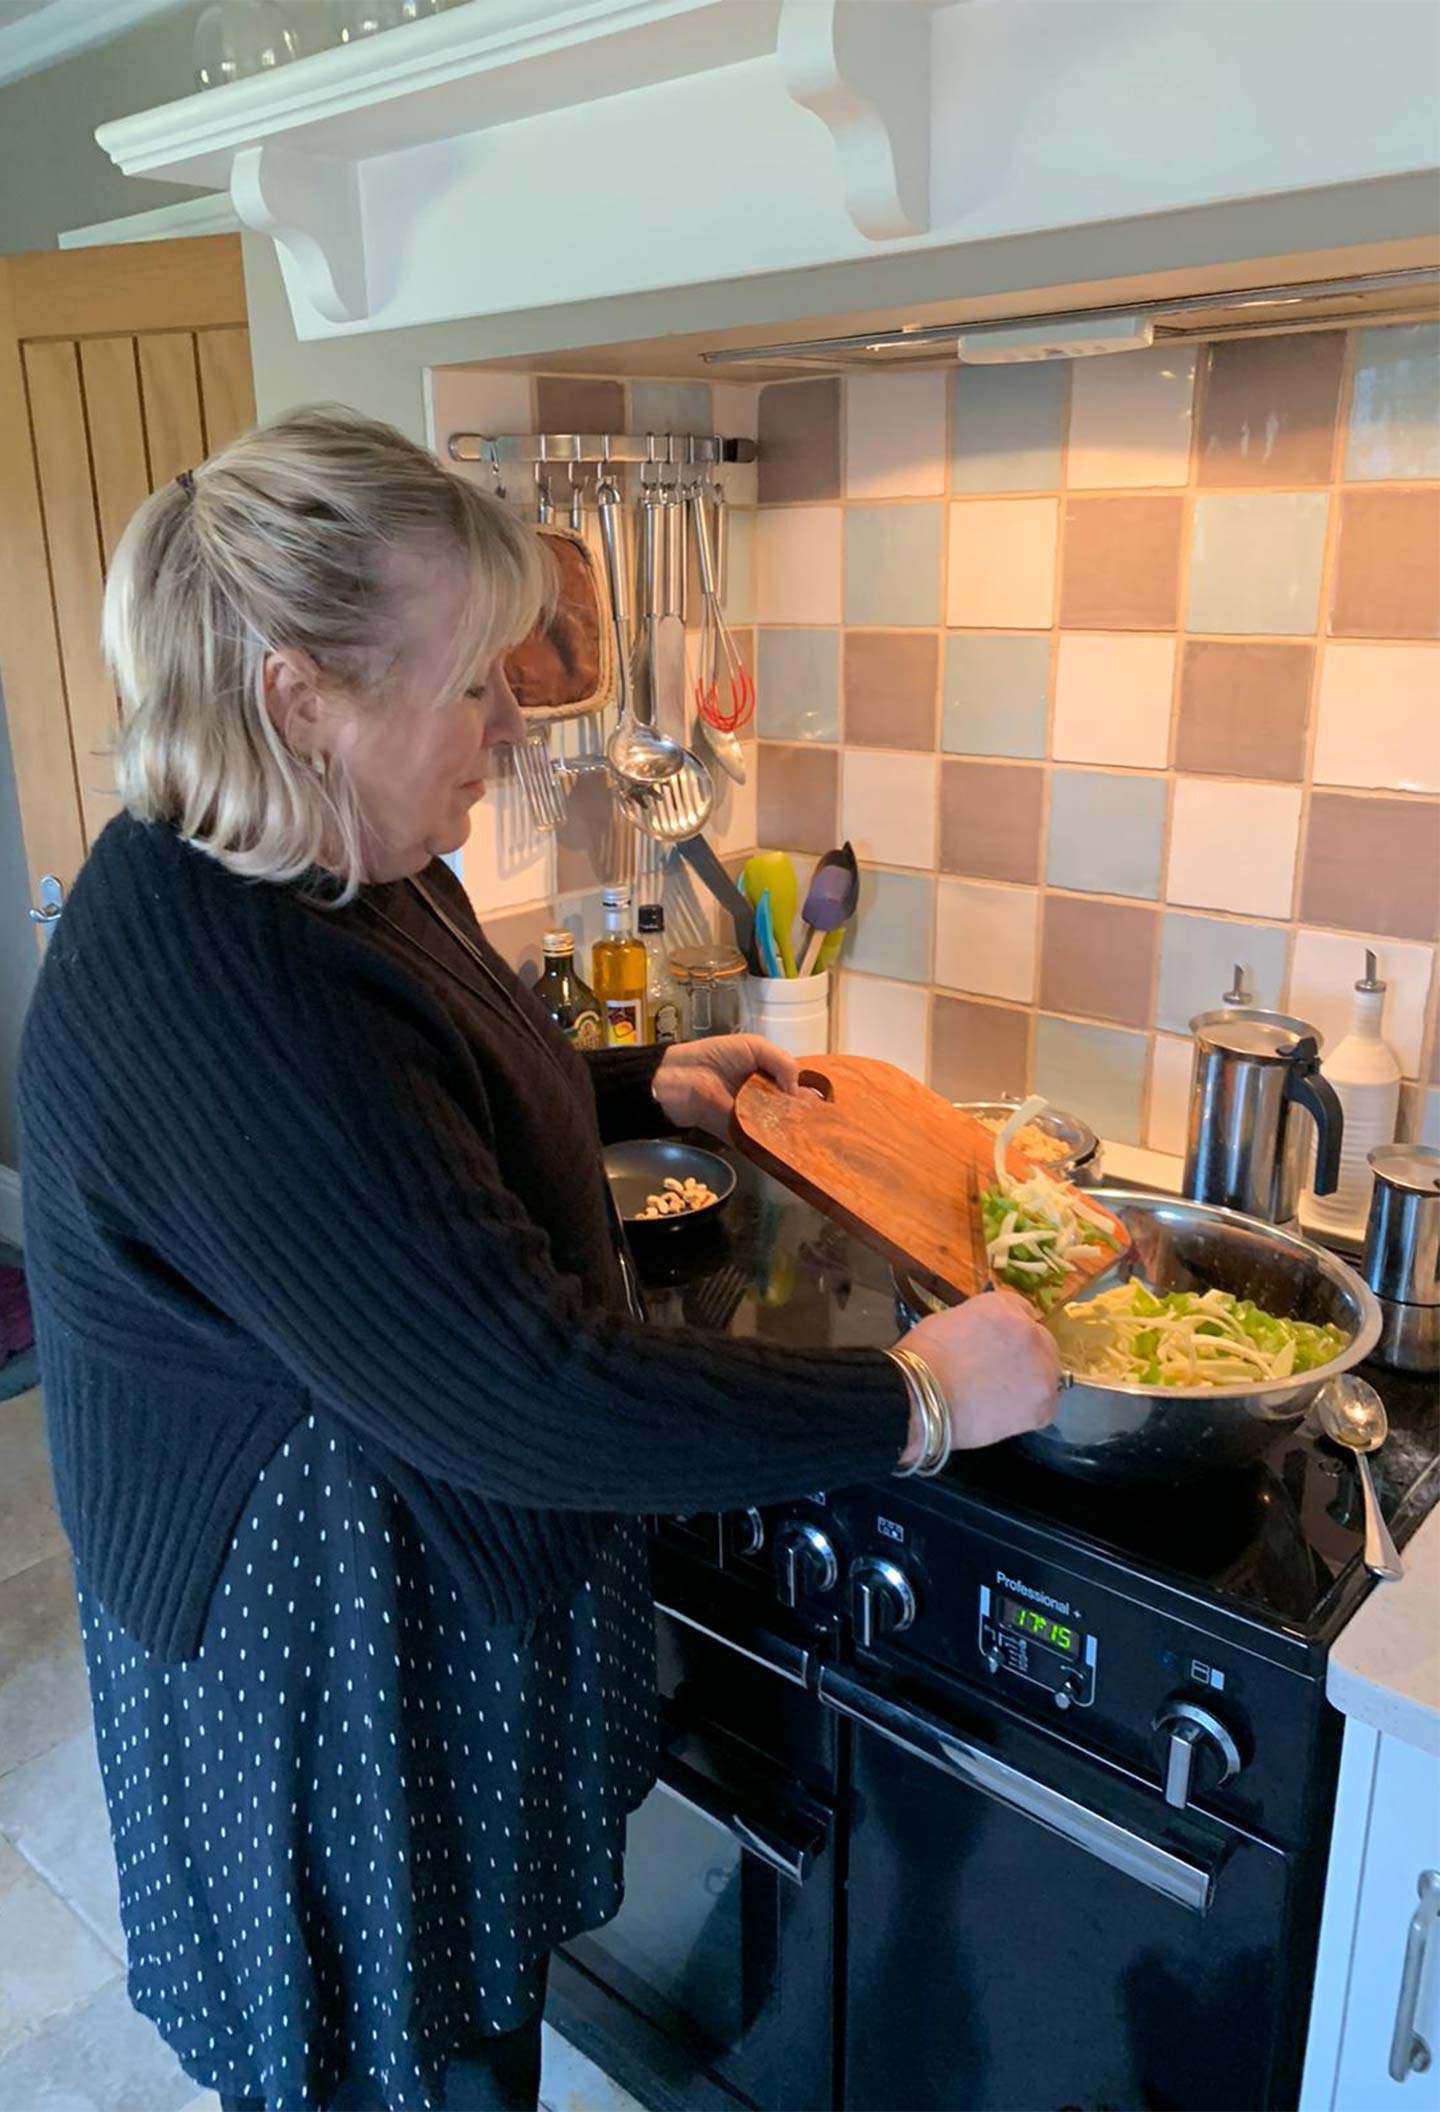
{"x": 994, "y": 1791}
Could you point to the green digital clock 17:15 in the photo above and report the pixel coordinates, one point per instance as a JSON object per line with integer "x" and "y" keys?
{"x": 1029, "y": 1620}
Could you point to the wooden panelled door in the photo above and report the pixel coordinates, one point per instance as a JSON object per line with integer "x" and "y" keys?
{"x": 118, "y": 368}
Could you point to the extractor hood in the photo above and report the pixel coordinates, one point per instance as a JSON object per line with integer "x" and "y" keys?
{"x": 1249, "y": 311}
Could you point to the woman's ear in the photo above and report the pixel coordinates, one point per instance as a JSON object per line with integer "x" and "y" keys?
{"x": 295, "y": 705}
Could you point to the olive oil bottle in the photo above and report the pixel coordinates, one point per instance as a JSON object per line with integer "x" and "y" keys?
{"x": 572, "y": 1004}
{"x": 617, "y": 970}
{"x": 664, "y": 1007}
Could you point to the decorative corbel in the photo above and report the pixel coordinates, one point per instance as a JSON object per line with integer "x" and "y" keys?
{"x": 863, "y": 67}
{"x": 309, "y": 204}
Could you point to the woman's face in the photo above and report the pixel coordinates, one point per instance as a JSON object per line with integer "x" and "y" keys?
{"x": 417, "y": 765}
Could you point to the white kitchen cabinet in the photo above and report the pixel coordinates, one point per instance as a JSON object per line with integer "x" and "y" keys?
{"x": 1385, "y": 1676}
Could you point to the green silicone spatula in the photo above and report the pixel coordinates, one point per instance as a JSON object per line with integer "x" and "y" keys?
{"x": 771, "y": 873}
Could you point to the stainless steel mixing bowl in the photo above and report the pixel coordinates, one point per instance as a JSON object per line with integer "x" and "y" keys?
{"x": 1112, "y": 1433}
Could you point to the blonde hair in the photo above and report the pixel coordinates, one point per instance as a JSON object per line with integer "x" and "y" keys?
{"x": 288, "y": 539}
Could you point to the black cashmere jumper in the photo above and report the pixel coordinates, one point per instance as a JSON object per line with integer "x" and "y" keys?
{"x": 280, "y": 1158}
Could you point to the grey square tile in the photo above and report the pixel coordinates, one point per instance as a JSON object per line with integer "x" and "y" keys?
{"x": 1394, "y": 430}
{"x": 571, "y": 2082}
{"x": 1255, "y": 561}
{"x": 671, "y": 407}
{"x": 29, "y": 1528}
{"x": 799, "y": 443}
{"x": 1105, "y": 833}
{"x": 101, "y": 2057}
{"x": 1007, "y": 424}
{"x": 892, "y": 564}
{"x": 893, "y": 920}
{"x": 995, "y": 698}
{"x": 53, "y": 1810}
{"x": 1097, "y": 1071}
{"x": 797, "y": 685}
{"x": 1198, "y": 958}
{"x": 49, "y": 1960}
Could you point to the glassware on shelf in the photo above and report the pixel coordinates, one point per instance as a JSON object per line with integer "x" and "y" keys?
{"x": 711, "y": 977}
{"x": 237, "y": 38}
{"x": 356, "y": 19}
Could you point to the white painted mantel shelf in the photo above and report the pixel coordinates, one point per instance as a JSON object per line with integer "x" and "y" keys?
{"x": 512, "y": 154}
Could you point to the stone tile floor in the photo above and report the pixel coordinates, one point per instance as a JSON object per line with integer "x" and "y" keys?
{"x": 69, "y": 2040}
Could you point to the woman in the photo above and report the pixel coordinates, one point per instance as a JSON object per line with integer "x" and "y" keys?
{"x": 351, "y": 1426}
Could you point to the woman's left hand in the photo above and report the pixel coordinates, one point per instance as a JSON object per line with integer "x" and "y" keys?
{"x": 697, "y": 1081}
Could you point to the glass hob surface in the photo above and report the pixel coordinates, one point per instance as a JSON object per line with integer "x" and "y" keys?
{"x": 1281, "y": 1541}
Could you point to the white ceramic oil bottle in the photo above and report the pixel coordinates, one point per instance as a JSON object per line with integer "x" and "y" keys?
{"x": 1363, "y": 1070}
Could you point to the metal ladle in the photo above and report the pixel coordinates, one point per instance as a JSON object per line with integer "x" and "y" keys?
{"x": 1351, "y": 1413}
{"x": 641, "y": 759}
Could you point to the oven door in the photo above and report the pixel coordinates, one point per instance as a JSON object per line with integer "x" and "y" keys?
{"x": 724, "y": 1944}
{"x": 1030, "y": 1930}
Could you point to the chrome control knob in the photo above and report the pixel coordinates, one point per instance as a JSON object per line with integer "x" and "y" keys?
{"x": 805, "y": 1564}
{"x": 746, "y": 1531}
{"x": 1196, "y": 1751}
{"x": 882, "y": 1599}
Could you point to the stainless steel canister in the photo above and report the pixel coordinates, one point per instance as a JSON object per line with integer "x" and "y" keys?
{"x": 1402, "y": 1254}
{"x": 1255, "y": 1090}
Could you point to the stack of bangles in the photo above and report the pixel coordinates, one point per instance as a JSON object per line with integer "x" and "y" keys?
{"x": 930, "y": 1406}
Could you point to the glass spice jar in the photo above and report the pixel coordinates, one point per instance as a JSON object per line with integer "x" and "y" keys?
{"x": 711, "y": 978}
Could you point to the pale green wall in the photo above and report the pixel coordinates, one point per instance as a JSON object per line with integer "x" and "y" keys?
{"x": 52, "y": 174}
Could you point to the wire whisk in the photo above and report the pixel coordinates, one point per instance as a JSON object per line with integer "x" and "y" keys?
{"x": 724, "y": 691}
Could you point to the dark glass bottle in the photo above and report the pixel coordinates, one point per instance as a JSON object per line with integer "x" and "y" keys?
{"x": 572, "y": 1004}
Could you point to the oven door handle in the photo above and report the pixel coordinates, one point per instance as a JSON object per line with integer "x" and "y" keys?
{"x": 789, "y": 1853}
{"x": 773, "y": 1652}
{"x": 1160, "y": 1869}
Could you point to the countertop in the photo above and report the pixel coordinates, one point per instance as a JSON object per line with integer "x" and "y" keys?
{"x": 1385, "y": 1666}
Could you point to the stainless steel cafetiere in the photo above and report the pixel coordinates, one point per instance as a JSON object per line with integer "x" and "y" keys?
{"x": 1254, "y": 1092}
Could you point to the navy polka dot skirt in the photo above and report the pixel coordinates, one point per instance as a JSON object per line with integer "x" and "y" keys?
{"x": 350, "y": 1831}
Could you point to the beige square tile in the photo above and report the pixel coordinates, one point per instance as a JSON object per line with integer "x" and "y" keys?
{"x": 1121, "y": 567}
{"x": 1112, "y": 700}
{"x": 1387, "y": 565}
{"x": 895, "y": 435}
{"x": 1233, "y": 846}
{"x": 101, "y": 2056}
{"x": 1323, "y": 975}
{"x": 1244, "y": 708}
{"x": 1268, "y": 410}
{"x": 887, "y": 807}
{"x": 1097, "y": 959}
{"x": 1001, "y": 573}
{"x": 734, "y": 822}
{"x": 517, "y": 938}
{"x": 53, "y": 1810}
{"x": 737, "y": 591}
{"x": 1130, "y": 419}
{"x": 508, "y": 863}
{"x": 1172, "y": 1065}
{"x": 798, "y": 803}
{"x": 475, "y": 400}
{"x": 990, "y": 820}
{"x": 887, "y": 1021}
{"x": 985, "y": 939}
{"x": 977, "y": 1052}
{"x": 49, "y": 1960}
{"x": 29, "y": 1528}
{"x": 1372, "y": 865}
{"x": 44, "y": 1697}
{"x": 1379, "y": 717}
{"x": 891, "y": 685}
{"x": 798, "y": 564}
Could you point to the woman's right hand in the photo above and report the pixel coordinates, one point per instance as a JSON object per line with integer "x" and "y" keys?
{"x": 996, "y": 1365}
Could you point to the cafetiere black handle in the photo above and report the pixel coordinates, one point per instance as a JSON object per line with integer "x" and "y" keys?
{"x": 1309, "y": 1088}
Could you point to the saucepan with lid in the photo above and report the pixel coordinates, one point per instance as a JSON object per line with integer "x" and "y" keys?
{"x": 1108, "y": 1432}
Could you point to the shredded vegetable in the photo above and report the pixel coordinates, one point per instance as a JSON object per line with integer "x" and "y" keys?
{"x": 1037, "y": 1227}
{"x": 1187, "y": 1338}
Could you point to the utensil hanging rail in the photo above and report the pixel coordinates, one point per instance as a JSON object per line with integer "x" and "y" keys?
{"x": 682, "y": 450}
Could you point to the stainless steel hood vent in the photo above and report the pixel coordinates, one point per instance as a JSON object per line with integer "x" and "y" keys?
{"x": 1384, "y": 297}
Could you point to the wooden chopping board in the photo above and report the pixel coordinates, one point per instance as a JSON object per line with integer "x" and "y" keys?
{"x": 889, "y": 1160}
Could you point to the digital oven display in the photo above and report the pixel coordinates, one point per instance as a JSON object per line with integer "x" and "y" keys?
{"x": 1040, "y": 1627}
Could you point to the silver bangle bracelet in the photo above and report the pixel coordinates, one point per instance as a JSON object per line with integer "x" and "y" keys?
{"x": 930, "y": 1408}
